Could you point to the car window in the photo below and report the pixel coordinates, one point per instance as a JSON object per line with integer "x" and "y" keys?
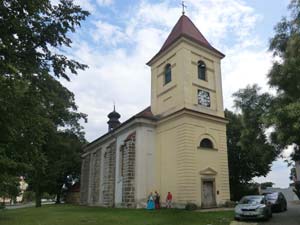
{"x": 272, "y": 196}
{"x": 252, "y": 200}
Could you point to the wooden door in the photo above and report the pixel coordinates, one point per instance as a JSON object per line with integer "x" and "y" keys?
{"x": 208, "y": 194}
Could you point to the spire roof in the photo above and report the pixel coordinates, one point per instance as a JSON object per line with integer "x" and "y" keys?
{"x": 186, "y": 28}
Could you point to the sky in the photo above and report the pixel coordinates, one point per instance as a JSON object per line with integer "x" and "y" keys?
{"x": 120, "y": 36}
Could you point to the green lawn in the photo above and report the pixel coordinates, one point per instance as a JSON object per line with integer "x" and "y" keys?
{"x": 79, "y": 215}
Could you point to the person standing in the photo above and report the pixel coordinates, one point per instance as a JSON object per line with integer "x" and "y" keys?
{"x": 150, "y": 202}
{"x": 169, "y": 200}
{"x": 157, "y": 200}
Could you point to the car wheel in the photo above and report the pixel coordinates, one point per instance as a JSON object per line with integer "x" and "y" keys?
{"x": 237, "y": 219}
{"x": 266, "y": 217}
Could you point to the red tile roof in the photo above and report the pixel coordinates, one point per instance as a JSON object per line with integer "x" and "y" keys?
{"x": 185, "y": 28}
{"x": 146, "y": 113}
{"x": 130, "y": 136}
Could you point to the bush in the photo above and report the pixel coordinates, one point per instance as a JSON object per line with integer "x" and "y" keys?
{"x": 47, "y": 196}
{"x": 191, "y": 206}
{"x": 28, "y": 196}
{"x": 242, "y": 190}
{"x": 229, "y": 204}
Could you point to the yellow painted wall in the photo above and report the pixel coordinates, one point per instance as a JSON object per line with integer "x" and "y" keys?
{"x": 182, "y": 91}
{"x": 180, "y": 160}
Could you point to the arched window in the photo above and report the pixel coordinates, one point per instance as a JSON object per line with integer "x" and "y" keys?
{"x": 201, "y": 70}
{"x": 168, "y": 74}
{"x": 206, "y": 143}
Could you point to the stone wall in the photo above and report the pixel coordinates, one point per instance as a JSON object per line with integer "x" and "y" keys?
{"x": 84, "y": 184}
{"x": 96, "y": 177}
{"x": 92, "y": 179}
{"x": 128, "y": 171}
{"x": 109, "y": 175}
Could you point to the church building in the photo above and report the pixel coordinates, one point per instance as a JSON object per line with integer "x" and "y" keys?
{"x": 177, "y": 145}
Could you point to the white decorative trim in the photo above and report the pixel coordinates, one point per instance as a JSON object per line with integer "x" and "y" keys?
{"x": 208, "y": 172}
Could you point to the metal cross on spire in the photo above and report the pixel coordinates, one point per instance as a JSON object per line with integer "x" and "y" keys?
{"x": 183, "y": 7}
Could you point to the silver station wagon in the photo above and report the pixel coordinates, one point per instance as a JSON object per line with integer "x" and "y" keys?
{"x": 253, "y": 207}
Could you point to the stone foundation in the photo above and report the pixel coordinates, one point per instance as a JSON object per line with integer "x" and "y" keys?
{"x": 128, "y": 170}
{"x": 84, "y": 183}
{"x": 109, "y": 175}
{"x": 96, "y": 177}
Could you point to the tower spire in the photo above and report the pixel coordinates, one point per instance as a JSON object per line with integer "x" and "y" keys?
{"x": 183, "y": 7}
{"x": 114, "y": 117}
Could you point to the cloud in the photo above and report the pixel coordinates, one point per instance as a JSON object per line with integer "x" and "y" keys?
{"x": 228, "y": 18}
{"x": 279, "y": 175}
{"x": 104, "y": 2}
{"x": 86, "y": 6}
{"x": 243, "y": 67}
{"x": 108, "y": 33}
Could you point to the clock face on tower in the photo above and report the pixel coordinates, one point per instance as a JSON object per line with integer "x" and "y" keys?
{"x": 203, "y": 98}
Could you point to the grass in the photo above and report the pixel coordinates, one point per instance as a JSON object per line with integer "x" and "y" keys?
{"x": 79, "y": 215}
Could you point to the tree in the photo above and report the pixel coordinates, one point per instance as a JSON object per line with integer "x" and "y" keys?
{"x": 34, "y": 106}
{"x": 293, "y": 177}
{"x": 249, "y": 152}
{"x": 235, "y": 155}
{"x": 32, "y": 34}
{"x": 9, "y": 188}
{"x": 265, "y": 185}
{"x": 64, "y": 152}
{"x": 284, "y": 77}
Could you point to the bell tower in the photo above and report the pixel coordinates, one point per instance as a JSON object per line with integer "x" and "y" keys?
{"x": 186, "y": 73}
{"x": 186, "y": 96}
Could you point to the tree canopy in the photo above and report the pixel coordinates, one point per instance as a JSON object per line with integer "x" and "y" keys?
{"x": 249, "y": 152}
{"x": 36, "y": 109}
{"x": 284, "y": 77}
{"x": 32, "y": 35}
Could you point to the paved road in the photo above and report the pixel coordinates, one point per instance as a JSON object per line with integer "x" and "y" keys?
{"x": 290, "y": 217}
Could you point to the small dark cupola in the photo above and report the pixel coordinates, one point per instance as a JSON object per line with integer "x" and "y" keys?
{"x": 113, "y": 121}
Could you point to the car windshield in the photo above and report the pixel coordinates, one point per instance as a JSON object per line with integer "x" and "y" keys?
{"x": 272, "y": 196}
{"x": 251, "y": 200}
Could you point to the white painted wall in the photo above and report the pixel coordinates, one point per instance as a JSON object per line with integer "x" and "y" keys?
{"x": 145, "y": 178}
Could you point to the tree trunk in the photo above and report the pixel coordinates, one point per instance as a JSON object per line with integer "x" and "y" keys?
{"x": 38, "y": 196}
{"x": 58, "y": 197}
{"x": 297, "y": 189}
